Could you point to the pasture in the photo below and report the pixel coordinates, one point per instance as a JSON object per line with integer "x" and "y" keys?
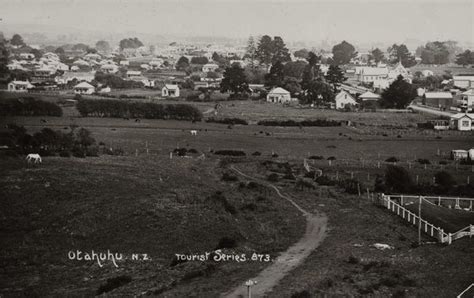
{"x": 145, "y": 202}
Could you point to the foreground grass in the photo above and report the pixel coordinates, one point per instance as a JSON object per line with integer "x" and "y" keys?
{"x": 130, "y": 205}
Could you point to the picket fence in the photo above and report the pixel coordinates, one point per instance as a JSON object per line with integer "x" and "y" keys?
{"x": 390, "y": 202}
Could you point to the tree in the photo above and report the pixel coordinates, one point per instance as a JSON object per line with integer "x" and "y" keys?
{"x": 264, "y": 50}
{"x": 435, "y": 53}
{"x": 199, "y": 60}
{"x": 398, "y": 179}
{"x": 279, "y": 50}
{"x": 399, "y": 94}
{"x": 60, "y": 51}
{"x": 80, "y": 47}
{"x": 37, "y": 53}
{"x": 335, "y": 76}
{"x": 234, "y": 80}
{"x": 251, "y": 51}
{"x": 311, "y": 71}
{"x": 317, "y": 92}
{"x": 343, "y": 53}
{"x": 292, "y": 85}
{"x": 182, "y": 64}
{"x": 276, "y": 75}
{"x": 303, "y": 53}
{"x": 400, "y": 53}
{"x": 377, "y": 55}
{"x": 102, "y": 46}
{"x": 17, "y": 40}
{"x": 465, "y": 58}
{"x": 212, "y": 75}
{"x": 130, "y": 43}
{"x": 295, "y": 69}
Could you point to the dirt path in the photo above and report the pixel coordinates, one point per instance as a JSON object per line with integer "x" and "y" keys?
{"x": 291, "y": 258}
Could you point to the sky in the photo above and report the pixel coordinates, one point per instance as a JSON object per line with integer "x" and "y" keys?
{"x": 354, "y": 20}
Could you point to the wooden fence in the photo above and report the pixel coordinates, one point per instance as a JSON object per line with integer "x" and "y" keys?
{"x": 390, "y": 202}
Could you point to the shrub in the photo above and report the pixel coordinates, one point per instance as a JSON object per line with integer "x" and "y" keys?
{"x": 301, "y": 294}
{"x": 392, "y": 159}
{"x": 444, "y": 179}
{"x": 29, "y": 106}
{"x": 256, "y": 153}
{"x": 331, "y": 158}
{"x": 230, "y": 121}
{"x": 113, "y": 283}
{"x": 316, "y": 157}
{"x": 443, "y": 162}
{"x": 193, "y": 151}
{"x": 230, "y": 152}
{"x": 92, "y": 151}
{"x": 79, "y": 152}
{"x": 423, "y": 161}
{"x": 397, "y": 179}
{"x": 317, "y": 122}
{"x": 324, "y": 180}
{"x": 180, "y": 151}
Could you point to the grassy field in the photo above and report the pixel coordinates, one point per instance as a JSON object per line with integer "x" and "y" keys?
{"x": 159, "y": 206}
{"x": 130, "y": 205}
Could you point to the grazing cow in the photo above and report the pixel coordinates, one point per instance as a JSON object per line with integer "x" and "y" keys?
{"x": 137, "y": 120}
{"x": 194, "y": 132}
{"x": 34, "y": 157}
{"x": 43, "y": 121}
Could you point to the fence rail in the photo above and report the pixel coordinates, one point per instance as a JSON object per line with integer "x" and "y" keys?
{"x": 389, "y": 201}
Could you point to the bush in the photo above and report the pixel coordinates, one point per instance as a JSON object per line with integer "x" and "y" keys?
{"x": 316, "y": 157}
{"x": 301, "y": 294}
{"x": 230, "y": 152}
{"x": 180, "y": 151}
{"x": 324, "y": 180}
{"x": 423, "y": 161}
{"x": 392, "y": 159}
{"x": 444, "y": 179}
{"x": 256, "y": 153}
{"x": 397, "y": 179}
{"x": 230, "y": 121}
{"x": 29, "y": 107}
{"x": 331, "y": 158}
{"x": 221, "y": 199}
{"x": 317, "y": 122}
{"x": 79, "y": 152}
{"x": 134, "y": 109}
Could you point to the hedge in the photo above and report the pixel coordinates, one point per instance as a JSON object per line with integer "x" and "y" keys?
{"x": 29, "y": 107}
{"x": 147, "y": 110}
{"x": 231, "y": 121}
{"x": 317, "y": 122}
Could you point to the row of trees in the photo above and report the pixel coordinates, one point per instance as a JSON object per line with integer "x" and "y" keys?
{"x": 131, "y": 109}
{"x": 29, "y": 107}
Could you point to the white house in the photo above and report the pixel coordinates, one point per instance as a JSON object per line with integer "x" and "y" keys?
{"x": 19, "y": 86}
{"x": 109, "y": 68}
{"x": 84, "y": 88}
{"x": 170, "y": 91}
{"x": 279, "y": 95}
{"x": 462, "y": 121}
{"x": 369, "y": 96}
{"x": 134, "y": 74}
{"x": 465, "y": 81}
{"x": 468, "y": 99}
{"x": 209, "y": 67}
{"x": 343, "y": 99}
{"x": 124, "y": 63}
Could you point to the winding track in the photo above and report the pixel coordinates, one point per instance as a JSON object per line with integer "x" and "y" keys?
{"x": 268, "y": 278}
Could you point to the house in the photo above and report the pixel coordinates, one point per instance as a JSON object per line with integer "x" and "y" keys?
{"x": 148, "y": 83}
{"x": 369, "y": 96}
{"x": 134, "y": 74}
{"x": 467, "y": 99}
{"x": 27, "y": 56}
{"x": 343, "y": 99}
{"x": 109, "y": 68}
{"x": 462, "y": 121}
{"x": 170, "y": 91}
{"x": 19, "y": 86}
{"x": 279, "y": 95}
{"x": 465, "y": 81}
{"x": 256, "y": 88}
{"x": 459, "y": 154}
{"x": 441, "y": 100}
{"x": 84, "y": 88}
{"x": 209, "y": 67}
{"x": 370, "y": 74}
{"x": 124, "y": 63}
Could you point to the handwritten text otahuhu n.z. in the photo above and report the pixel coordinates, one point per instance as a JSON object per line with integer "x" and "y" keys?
{"x": 103, "y": 257}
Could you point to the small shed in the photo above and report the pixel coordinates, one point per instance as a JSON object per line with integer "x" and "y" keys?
{"x": 170, "y": 91}
{"x": 343, "y": 99}
{"x": 369, "y": 96}
{"x": 459, "y": 154}
{"x": 462, "y": 121}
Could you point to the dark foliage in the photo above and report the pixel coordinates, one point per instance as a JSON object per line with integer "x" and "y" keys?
{"x": 317, "y": 122}
{"x": 29, "y": 107}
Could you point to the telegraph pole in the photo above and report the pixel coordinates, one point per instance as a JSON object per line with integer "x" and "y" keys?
{"x": 419, "y": 220}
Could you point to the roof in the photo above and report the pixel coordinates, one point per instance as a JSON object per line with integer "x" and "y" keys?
{"x": 461, "y": 115}
{"x": 278, "y": 90}
{"x": 370, "y": 95}
{"x": 20, "y": 82}
{"x": 84, "y": 85}
{"x": 446, "y": 95}
{"x": 468, "y": 92}
{"x": 210, "y": 65}
{"x": 134, "y": 72}
{"x": 372, "y": 71}
{"x": 171, "y": 87}
{"x": 343, "y": 92}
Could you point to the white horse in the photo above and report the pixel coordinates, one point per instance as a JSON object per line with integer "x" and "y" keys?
{"x": 34, "y": 157}
{"x": 194, "y": 132}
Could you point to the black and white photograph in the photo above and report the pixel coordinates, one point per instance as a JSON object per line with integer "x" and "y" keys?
{"x": 237, "y": 148}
